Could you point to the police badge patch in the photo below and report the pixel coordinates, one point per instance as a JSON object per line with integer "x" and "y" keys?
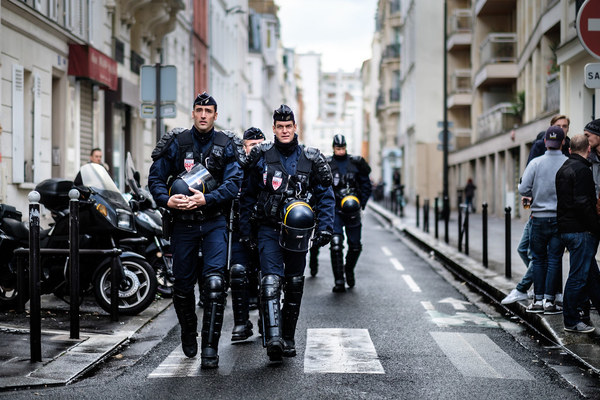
{"x": 276, "y": 181}
{"x": 188, "y": 162}
{"x": 336, "y": 179}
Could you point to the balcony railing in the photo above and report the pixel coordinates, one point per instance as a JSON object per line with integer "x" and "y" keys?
{"x": 394, "y": 95}
{"x": 553, "y": 93}
{"x": 460, "y": 81}
{"x": 392, "y": 51}
{"x": 499, "y": 48}
{"x": 496, "y": 120}
{"x": 461, "y": 20}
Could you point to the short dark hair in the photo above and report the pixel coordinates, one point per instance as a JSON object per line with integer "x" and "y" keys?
{"x": 579, "y": 143}
{"x": 95, "y": 149}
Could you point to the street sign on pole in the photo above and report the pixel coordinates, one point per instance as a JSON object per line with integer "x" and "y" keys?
{"x": 588, "y": 26}
{"x": 167, "y": 110}
{"x": 592, "y": 75}
{"x": 168, "y": 83}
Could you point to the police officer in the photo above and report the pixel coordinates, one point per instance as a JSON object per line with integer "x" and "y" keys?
{"x": 244, "y": 262}
{"x": 199, "y": 221}
{"x": 352, "y": 189}
{"x": 287, "y": 181}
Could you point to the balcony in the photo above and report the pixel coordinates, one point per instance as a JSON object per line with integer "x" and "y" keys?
{"x": 460, "y": 89}
{"x": 494, "y": 7}
{"x": 392, "y": 51}
{"x": 498, "y": 59}
{"x": 395, "y": 14}
{"x": 553, "y": 93}
{"x": 460, "y": 26}
{"x": 496, "y": 120}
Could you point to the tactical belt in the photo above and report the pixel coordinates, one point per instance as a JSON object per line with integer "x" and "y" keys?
{"x": 197, "y": 216}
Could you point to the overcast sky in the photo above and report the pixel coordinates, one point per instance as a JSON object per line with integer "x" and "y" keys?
{"x": 341, "y": 30}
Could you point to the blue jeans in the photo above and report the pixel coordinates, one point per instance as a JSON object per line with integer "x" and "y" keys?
{"x": 583, "y": 274}
{"x": 525, "y": 254}
{"x": 546, "y": 254}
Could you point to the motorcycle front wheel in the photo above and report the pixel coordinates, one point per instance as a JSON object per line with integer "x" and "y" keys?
{"x": 136, "y": 291}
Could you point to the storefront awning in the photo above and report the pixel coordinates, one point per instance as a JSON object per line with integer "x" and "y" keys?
{"x": 87, "y": 62}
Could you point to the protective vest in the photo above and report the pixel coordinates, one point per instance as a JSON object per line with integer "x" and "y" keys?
{"x": 213, "y": 160}
{"x": 346, "y": 184}
{"x": 281, "y": 186}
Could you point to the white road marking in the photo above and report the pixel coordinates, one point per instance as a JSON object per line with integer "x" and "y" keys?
{"x": 411, "y": 283}
{"x": 397, "y": 264}
{"x": 594, "y": 24}
{"x": 427, "y": 305}
{"x": 386, "y": 251}
{"x": 457, "y": 304}
{"x": 461, "y": 318}
{"x": 476, "y": 355}
{"x": 340, "y": 351}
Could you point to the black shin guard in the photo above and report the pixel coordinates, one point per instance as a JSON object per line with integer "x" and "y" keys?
{"x": 185, "y": 308}
{"x": 270, "y": 292}
{"x": 314, "y": 261}
{"x": 337, "y": 263}
{"x": 242, "y": 328}
{"x": 351, "y": 260}
{"x": 212, "y": 320}
{"x": 293, "y": 289}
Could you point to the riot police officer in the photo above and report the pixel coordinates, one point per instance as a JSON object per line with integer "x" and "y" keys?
{"x": 352, "y": 189}
{"x": 288, "y": 195}
{"x": 195, "y": 174}
{"x": 244, "y": 262}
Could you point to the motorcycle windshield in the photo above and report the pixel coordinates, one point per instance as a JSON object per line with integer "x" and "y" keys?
{"x": 130, "y": 176}
{"x": 96, "y": 177}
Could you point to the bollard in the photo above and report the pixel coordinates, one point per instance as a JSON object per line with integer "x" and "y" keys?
{"x": 436, "y": 217}
{"x": 508, "y": 267}
{"x": 74, "y": 262}
{"x": 484, "y": 229}
{"x": 417, "y": 211}
{"x": 35, "y": 318}
{"x": 466, "y": 230}
{"x": 460, "y": 236}
{"x": 446, "y": 208}
{"x": 426, "y": 215}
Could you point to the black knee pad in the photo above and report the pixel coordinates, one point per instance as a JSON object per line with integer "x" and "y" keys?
{"x": 270, "y": 285}
{"x": 214, "y": 286}
{"x": 337, "y": 243}
{"x": 355, "y": 248}
{"x": 239, "y": 276}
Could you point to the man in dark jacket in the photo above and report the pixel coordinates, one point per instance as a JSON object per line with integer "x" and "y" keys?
{"x": 579, "y": 229}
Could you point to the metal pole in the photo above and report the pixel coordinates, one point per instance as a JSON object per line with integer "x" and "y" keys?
{"x": 459, "y": 223}
{"x": 484, "y": 228}
{"x": 426, "y": 215}
{"x": 157, "y": 101}
{"x": 417, "y": 211}
{"x": 446, "y": 208}
{"x": 466, "y": 230}
{"x": 35, "y": 318}
{"x": 74, "y": 261}
{"x": 507, "y": 258}
{"x": 115, "y": 275}
{"x": 436, "y": 210}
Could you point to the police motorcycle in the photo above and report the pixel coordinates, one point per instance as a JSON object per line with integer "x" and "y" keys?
{"x": 148, "y": 224}
{"x": 104, "y": 217}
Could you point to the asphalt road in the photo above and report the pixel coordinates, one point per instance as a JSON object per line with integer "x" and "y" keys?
{"x": 408, "y": 330}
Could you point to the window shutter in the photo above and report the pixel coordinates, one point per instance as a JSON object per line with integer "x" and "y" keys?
{"x": 18, "y": 124}
{"x": 37, "y": 128}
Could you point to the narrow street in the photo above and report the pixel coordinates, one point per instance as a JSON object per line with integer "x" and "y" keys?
{"x": 404, "y": 331}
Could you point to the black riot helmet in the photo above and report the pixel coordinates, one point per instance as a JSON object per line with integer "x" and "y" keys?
{"x": 197, "y": 178}
{"x": 297, "y": 226}
{"x": 339, "y": 141}
{"x": 350, "y": 207}
{"x": 283, "y": 113}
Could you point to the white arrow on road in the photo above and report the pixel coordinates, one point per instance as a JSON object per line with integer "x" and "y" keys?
{"x": 457, "y": 304}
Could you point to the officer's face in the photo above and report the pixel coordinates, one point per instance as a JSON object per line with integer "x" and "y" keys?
{"x": 284, "y": 131}
{"x": 204, "y": 118}
{"x": 339, "y": 151}
{"x": 593, "y": 139}
{"x": 249, "y": 144}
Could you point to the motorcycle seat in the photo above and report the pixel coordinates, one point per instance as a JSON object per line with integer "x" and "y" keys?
{"x": 15, "y": 228}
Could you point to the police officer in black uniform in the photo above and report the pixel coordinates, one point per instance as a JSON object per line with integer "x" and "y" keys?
{"x": 198, "y": 218}
{"x": 244, "y": 261}
{"x": 288, "y": 194}
{"x": 352, "y": 188}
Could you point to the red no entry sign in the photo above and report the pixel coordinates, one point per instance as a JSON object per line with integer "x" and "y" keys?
{"x": 588, "y": 26}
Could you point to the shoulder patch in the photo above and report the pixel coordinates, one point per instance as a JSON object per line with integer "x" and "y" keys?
{"x": 164, "y": 143}
{"x": 311, "y": 153}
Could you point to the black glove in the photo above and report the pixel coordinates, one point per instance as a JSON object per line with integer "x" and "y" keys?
{"x": 322, "y": 238}
{"x": 248, "y": 243}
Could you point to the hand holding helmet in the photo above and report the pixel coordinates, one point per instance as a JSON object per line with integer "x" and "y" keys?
{"x": 322, "y": 238}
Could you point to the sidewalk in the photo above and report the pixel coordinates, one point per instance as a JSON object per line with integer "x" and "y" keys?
{"x": 492, "y": 280}
{"x": 64, "y": 359}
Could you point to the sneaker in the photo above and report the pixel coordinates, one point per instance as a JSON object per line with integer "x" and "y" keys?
{"x": 530, "y": 294}
{"x": 551, "y": 308}
{"x": 580, "y": 327}
{"x": 513, "y": 296}
{"x": 535, "y": 307}
{"x": 558, "y": 299}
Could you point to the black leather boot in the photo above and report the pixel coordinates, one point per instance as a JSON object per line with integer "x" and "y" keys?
{"x": 270, "y": 292}
{"x": 185, "y": 308}
{"x": 242, "y": 328}
{"x": 337, "y": 263}
{"x": 293, "y": 289}
{"x": 351, "y": 260}
{"x": 314, "y": 261}
{"x": 212, "y": 320}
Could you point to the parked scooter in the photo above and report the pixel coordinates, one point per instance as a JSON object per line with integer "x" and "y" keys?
{"x": 148, "y": 223}
{"x": 104, "y": 218}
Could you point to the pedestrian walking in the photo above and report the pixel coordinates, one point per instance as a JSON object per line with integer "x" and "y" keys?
{"x": 579, "y": 230}
{"x": 289, "y": 188}
{"x": 469, "y": 194}
{"x": 546, "y": 247}
{"x": 196, "y": 174}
